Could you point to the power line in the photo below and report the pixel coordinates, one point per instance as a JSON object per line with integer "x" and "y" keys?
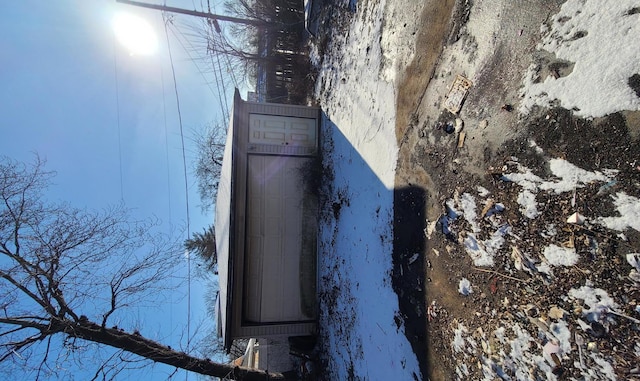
{"x": 177, "y": 33}
{"x": 186, "y": 183}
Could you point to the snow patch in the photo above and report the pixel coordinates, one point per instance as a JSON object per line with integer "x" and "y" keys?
{"x": 598, "y": 84}
{"x": 560, "y": 256}
{"x": 596, "y": 299}
{"x": 629, "y": 209}
{"x": 464, "y": 287}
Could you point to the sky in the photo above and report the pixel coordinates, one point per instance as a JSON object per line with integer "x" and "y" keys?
{"x": 106, "y": 120}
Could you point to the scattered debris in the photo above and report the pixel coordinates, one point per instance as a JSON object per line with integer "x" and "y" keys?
{"x": 432, "y": 311}
{"x": 576, "y": 218}
{"x": 556, "y": 313}
{"x": 449, "y": 128}
{"x": 457, "y": 94}
{"x": 461, "y": 137}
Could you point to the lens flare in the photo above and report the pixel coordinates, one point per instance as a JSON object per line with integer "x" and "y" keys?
{"x": 135, "y": 34}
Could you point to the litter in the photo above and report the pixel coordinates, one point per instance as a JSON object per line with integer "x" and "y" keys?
{"x": 556, "y": 313}
{"x": 461, "y": 137}
{"x": 449, "y": 128}
{"x": 576, "y": 218}
{"x": 497, "y": 208}
{"x": 634, "y": 260}
{"x": 606, "y": 187}
{"x": 457, "y": 94}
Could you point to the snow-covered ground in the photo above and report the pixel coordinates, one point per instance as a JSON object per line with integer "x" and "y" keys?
{"x": 356, "y": 91}
{"x": 602, "y": 44}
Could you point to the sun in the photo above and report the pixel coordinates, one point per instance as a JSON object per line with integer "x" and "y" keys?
{"x": 135, "y": 34}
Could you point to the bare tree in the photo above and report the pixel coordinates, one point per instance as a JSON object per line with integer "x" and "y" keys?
{"x": 66, "y": 274}
{"x": 210, "y": 143}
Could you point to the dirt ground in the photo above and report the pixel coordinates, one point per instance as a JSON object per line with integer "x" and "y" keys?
{"x": 432, "y": 168}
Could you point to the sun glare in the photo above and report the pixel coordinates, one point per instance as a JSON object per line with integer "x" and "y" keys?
{"x": 135, "y": 34}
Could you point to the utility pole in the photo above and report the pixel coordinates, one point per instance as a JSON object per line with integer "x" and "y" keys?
{"x": 210, "y": 16}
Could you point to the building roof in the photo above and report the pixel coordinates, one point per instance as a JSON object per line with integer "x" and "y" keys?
{"x": 225, "y": 205}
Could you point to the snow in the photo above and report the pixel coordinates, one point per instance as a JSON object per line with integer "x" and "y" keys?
{"x": 468, "y": 205}
{"x": 634, "y": 260}
{"x": 629, "y": 209}
{"x": 567, "y": 177}
{"x": 482, "y": 252}
{"x": 464, "y": 287}
{"x": 598, "y": 84}
{"x": 560, "y": 256}
{"x": 570, "y": 176}
{"x": 458, "y": 343}
{"x": 361, "y": 336}
{"x": 596, "y": 299}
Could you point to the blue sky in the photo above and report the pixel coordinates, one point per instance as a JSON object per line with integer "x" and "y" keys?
{"x": 76, "y": 97}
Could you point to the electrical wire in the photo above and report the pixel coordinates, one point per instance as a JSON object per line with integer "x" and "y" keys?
{"x": 186, "y": 183}
{"x": 179, "y": 35}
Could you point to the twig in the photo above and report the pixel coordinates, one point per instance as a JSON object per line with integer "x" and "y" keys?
{"x": 499, "y": 274}
{"x": 624, "y": 316}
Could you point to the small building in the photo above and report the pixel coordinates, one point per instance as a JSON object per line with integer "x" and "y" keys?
{"x": 267, "y": 222}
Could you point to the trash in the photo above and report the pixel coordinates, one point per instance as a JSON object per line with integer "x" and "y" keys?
{"x": 483, "y": 124}
{"x": 464, "y": 287}
{"x": 432, "y": 311}
{"x": 461, "y": 137}
{"x": 497, "y": 208}
{"x": 459, "y": 124}
{"x": 551, "y": 347}
{"x": 487, "y": 207}
{"x": 592, "y": 346}
{"x": 445, "y": 221}
{"x": 522, "y": 262}
{"x": 413, "y": 258}
{"x": 431, "y": 227}
{"x": 606, "y": 187}
{"x": 457, "y": 94}
{"x": 576, "y": 218}
{"x": 449, "y": 128}
{"x": 556, "y": 313}
{"x": 579, "y": 344}
{"x": 634, "y": 260}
